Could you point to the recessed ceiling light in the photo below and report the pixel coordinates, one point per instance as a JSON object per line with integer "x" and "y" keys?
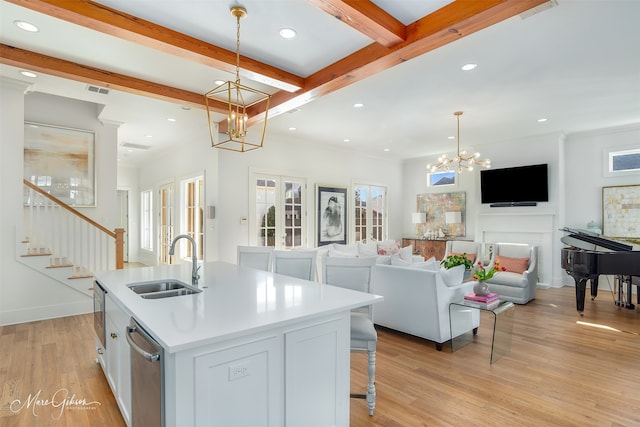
{"x": 287, "y": 33}
{"x": 468, "y": 67}
{"x": 451, "y": 137}
{"x": 542, "y": 120}
{"x": 27, "y": 26}
{"x": 292, "y": 128}
{"x": 219, "y": 82}
{"x": 346, "y": 140}
{"x": 171, "y": 119}
{"x": 387, "y": 149}
{"x": 186, "y": 108}
{"x": 148, "y": 136}
{"x": 358, "y": 105}
{"x": 29, "y": 74}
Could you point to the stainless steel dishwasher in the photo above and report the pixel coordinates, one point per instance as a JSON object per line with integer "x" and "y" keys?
{"x": 147, "y": 378}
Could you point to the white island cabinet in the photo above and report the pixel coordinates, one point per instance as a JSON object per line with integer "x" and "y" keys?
{"x": 252, "y": 349}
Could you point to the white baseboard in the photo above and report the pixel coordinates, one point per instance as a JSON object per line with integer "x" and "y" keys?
{"x": 32, "y": 314}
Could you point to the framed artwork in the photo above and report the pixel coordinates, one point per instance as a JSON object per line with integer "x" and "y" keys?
{"x": 331, "y": 216}
{"x": 621, "y": 211}
{"x": 446, "y": 213}
{"x": 441, "y": 179}
{"x": 61, "y": 161}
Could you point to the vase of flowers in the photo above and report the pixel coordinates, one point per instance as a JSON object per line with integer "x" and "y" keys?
{"x": 454, "y": 260}
{"x": 481, "y": 275}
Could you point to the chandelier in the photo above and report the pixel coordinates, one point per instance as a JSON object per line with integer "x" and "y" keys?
{"x": 238, "y": 100}
{"x": 463, "y": 160}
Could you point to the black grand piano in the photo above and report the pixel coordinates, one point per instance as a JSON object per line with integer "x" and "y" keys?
{"x": 590, "y": 255}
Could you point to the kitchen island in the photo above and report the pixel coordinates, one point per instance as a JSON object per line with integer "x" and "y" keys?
{"x": 253, "y": 348}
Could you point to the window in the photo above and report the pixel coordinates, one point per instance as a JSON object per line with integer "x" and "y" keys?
{"x": 146, "y": 220}
{"x": 370, "y": 213}
{"x": 621, "y": 161}
{"x": 193, "y": 215}
{"x": 278, "y": 211}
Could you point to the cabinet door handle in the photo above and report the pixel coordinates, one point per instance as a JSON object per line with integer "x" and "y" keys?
{"x": 114, "y": 335}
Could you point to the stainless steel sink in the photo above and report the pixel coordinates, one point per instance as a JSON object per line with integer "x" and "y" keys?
{"x": 163, "y": 289}
{"x": 171, "y": 293}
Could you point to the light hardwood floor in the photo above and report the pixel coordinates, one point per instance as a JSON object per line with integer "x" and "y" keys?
{"x": 559, "y": 373}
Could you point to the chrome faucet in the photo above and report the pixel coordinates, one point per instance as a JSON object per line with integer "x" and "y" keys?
{"x": 194, "y": 256}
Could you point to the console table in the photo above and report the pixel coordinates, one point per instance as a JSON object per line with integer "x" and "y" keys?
{"x": 459, "y": 322}
{"x": 426, "y": 248}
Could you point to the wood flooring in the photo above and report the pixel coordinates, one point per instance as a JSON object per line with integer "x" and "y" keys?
{"x": 563, "y": 370}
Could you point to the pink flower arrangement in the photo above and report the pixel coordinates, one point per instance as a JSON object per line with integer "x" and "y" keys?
{"x": 482, "y": 274}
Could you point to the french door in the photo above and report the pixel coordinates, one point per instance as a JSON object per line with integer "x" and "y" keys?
{"x": 370, "y": 209}
{"x": 278, "y": 211}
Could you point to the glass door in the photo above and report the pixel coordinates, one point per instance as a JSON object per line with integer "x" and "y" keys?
{"x": 279, "y": 213}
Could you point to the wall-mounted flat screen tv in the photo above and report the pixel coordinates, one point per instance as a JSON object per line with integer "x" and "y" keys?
{"x": 514, "y": 186}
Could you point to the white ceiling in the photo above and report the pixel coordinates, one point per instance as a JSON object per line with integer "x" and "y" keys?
{"x": 576, "y": 64}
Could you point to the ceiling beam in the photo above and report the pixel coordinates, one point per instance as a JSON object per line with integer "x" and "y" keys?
{"x": 367, "y": 18}
{"x": 33, "y": 61}
{"x": 452, "y": 22}
{"x": 131, "y": 28}
{"x": 446, "y": 25}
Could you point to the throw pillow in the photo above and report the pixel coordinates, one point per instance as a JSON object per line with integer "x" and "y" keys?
{"x": 383, "y": 259}
{"x": 388, "y": 247}
{"x": 431, "y": 265}
{"x": 349, "y": 249}
{"x": 368, "y": 249}
{"x": 406, "y": 253}
{"x": 514, "y": 265}
{"x": 471, "y": 257}
{"x": 452, "y": 276}
{"x": 396, "y": 260}
{"x": 341, "y": 254}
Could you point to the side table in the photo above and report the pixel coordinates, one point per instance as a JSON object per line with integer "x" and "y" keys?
{"x": 461, "y": 328}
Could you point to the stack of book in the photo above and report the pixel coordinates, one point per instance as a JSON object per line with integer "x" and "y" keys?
{"x": 488, "y": 302}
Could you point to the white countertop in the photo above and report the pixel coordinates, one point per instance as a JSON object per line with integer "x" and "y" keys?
{"x": 234, "y": 301}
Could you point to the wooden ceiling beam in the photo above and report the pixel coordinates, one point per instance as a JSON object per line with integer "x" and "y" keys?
{"x": 448, "y": 24}
{"x": 131, "y": 28}
{"x": 37, "y": 62}
{"x": 367, "y": 18}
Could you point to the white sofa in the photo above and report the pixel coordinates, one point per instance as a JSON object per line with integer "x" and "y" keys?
{"x": 416, "y": 300}
{"x": 387, "y": 252}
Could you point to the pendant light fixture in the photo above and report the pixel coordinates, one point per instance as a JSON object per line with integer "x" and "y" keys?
{"x": 240, "y": 100}
{"x": 461, "y": 161}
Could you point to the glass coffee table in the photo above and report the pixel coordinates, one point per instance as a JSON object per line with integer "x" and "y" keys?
{"x": 462, "y": 331}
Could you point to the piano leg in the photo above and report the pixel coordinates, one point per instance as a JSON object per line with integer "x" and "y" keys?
{"x": 581, "y": 286}
{"x": 629, "y": 303}
{"x": 594, "y": 288}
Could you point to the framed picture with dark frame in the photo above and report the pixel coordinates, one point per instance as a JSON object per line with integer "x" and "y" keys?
{"x": 331, "y": 216}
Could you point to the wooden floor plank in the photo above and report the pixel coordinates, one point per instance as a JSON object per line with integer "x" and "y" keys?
{"x": 560, "y": 372}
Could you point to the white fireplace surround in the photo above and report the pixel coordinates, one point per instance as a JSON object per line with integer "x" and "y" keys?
{"x": 530, "y": 228}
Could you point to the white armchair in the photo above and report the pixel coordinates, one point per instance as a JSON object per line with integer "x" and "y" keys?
{"x": 459, "y": 247}
{"x": 518, "y": 283}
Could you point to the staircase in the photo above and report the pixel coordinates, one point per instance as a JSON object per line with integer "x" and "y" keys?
{"x": 63, "y": 244}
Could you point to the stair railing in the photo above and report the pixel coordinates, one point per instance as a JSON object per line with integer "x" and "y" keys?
{"x": 53, "y": 228}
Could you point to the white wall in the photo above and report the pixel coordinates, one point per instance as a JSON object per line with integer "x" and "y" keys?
{"x": 227, "y": 182}
{"x": 319, "y": 164}
{"x": 576, "y": 178}
{"x": 585, "y": 175}
{"x": 128, "y": 181}
{"x": 26, "y": 295}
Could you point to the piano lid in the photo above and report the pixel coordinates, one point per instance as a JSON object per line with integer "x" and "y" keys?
{"x": 591, "y": 241}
